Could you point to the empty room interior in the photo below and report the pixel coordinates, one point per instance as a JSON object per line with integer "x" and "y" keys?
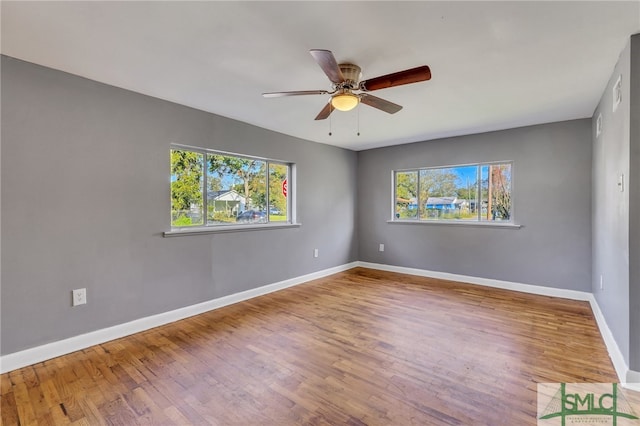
{"x": 282, "y": 213}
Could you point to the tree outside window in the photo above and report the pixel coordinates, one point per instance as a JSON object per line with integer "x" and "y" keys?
{"x": 478, "y": 192}
{"x": 234, "y": 189}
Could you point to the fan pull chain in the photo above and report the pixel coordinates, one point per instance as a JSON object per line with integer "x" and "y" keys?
{"x": 358, "y": 119}
{"x": 330, "y": 119}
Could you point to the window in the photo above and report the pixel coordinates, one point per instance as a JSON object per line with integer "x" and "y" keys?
{"x": 231, "y": 189}
{"x": 478, "y": 193}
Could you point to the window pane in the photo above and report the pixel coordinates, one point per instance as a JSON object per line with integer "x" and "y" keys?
{"x": 237, "y": 190}
{"x": 186, "y": 187}
{"x": 406, "y": 195}
{"x": 484, "y": 193}
{"x": 278, "y": 186}
{"x": 496, "y": 192}
{"x": 224, "y": 201}
{"x": 448, "y": 193}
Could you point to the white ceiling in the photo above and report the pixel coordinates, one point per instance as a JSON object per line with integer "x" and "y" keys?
{"x": 495, "y": 65}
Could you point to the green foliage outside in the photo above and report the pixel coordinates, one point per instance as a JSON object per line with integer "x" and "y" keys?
{"x": 182, "y": 220}
{"x": 436, "y": 183}
{"x": 277, "y": 200}
{"x": 494, "y": 191}
{"x": 220, "y": 216}
{"x": 406, "y": 194}
{"x": 248, "y": 177}
{"x": 186, "y": 183}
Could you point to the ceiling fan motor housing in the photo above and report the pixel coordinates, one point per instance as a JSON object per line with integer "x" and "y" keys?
{"x": 351, "y": 73}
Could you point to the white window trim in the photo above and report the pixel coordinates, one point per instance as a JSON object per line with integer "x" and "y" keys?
{"x": 199, "y": 230}
{"x": 456, "y": 223}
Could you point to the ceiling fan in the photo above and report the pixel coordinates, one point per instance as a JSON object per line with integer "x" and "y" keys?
{"x": 348, "y": 91}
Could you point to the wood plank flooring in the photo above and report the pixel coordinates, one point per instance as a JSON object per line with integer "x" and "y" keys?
{"x": 359, "y": 347}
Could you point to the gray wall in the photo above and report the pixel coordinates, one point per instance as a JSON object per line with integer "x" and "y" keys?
{"x": 634, "y": 207}
{"x": 85, "y": 199}
{"x": 552, "y": 202}
{"x": 610, "y": 229}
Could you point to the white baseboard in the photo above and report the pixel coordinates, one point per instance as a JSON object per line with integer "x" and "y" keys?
{"x": 41, "y": 353}
{"x": 612, "y": 347}
{"x": 487, "y": 282}
{"x": 633, "y": 380}
{"x": 628, "y": 378}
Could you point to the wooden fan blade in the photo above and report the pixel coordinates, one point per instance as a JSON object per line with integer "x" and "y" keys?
{"x": 413, "y": 75}
{"x": 380, "y": 103}
{"x": 295, "y": 93}
{"x": 326, "y": 111}
{"x": 328, "y": 63}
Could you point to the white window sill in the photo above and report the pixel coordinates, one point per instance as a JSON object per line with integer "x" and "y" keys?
{"x": 456, "y": 223}
{"x": 198, "y": 230}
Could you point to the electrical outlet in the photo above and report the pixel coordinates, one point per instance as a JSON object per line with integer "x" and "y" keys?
{"x": 315, "y": 253}
{"x": 79, "y": 297}
{"x": 381, "y": 248}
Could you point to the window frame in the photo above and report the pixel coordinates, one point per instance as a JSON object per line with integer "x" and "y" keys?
{"x": 511, "y": 223}
{"x": 205, "y": 227}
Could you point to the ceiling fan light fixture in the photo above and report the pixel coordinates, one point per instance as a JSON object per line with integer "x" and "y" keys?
{"x": 345, "y": 101}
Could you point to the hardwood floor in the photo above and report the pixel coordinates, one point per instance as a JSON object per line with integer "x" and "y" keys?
{"x": 359, "y": 347}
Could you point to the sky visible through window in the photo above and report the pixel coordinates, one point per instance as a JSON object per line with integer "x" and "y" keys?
{"x": 467, "y": 175}
{"x": 467, "y": 192}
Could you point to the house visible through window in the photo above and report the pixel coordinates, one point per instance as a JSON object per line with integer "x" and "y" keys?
{"x": 478, "y": 192}
{"x": 211, "y": 188}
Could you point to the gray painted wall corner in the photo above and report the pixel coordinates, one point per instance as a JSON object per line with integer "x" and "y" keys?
{"x": 610, "y": 228}
{"x": 634, "y": 208}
